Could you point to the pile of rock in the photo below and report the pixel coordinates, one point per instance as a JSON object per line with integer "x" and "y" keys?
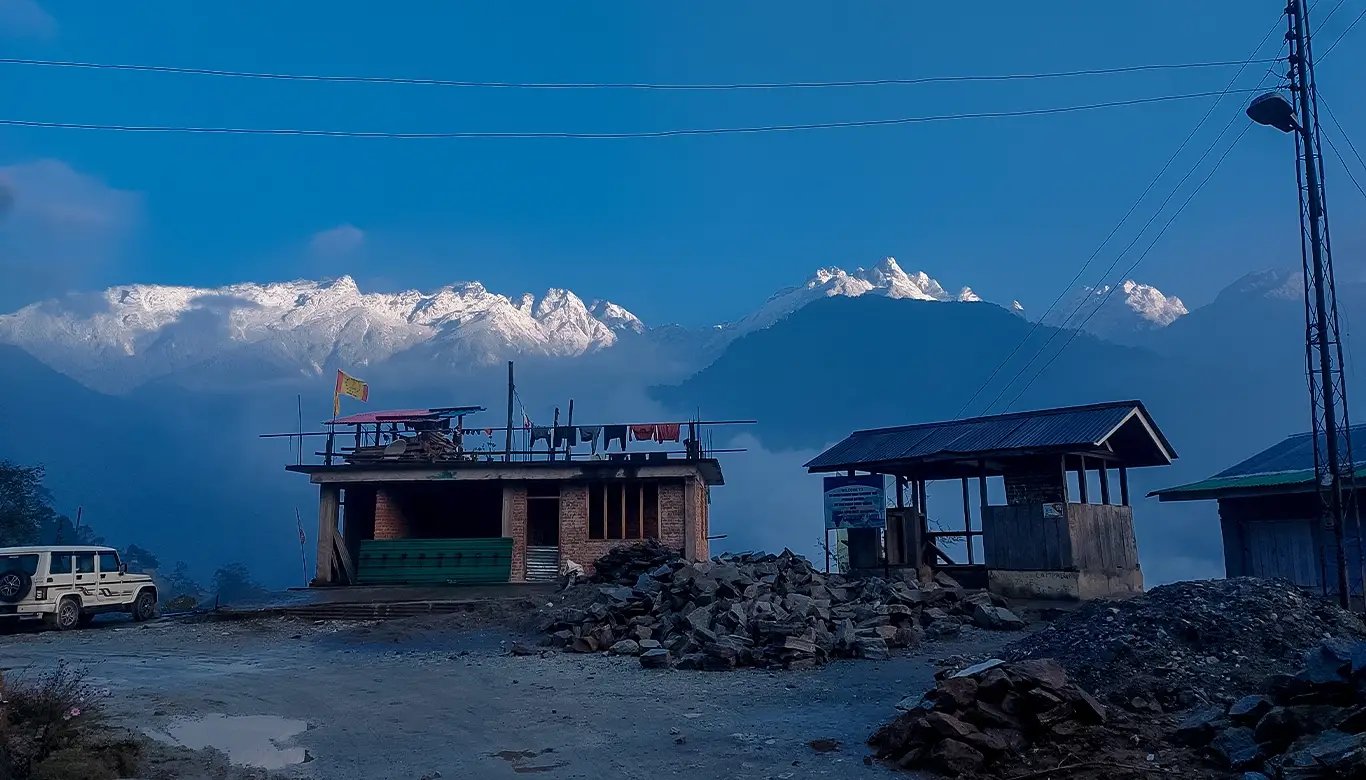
{"x": 758, "y": 610}
{"x": 1304, "y": 726}
{"x": 982, "y": 717}
{"x": 1187, "y": 644}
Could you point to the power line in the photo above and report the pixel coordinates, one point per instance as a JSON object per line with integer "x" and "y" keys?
{"x": 1039, "y": 322}
{"x": 1345, "y": 167}
{"x": 1343, "y": 34}
{"x": 426, "y": 82}
{"x": 607, "y": 136}
{"x": 1333, "y": 117}
{"x": 1133, "y": 265}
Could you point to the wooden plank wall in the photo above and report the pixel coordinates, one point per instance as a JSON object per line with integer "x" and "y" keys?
{"x": 1020, "y": 538}
{"x": 1102, "y": 537}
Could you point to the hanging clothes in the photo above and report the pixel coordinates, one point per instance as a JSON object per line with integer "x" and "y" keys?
{"x": 540, "y": 433}
{"x": 488, "y": 432}
{"x": 643, "y": 432}
{"x": 566, "y": 435}
{"x": 668, "y": 431}
{"x": 588, "y": 434}
{"x": 613, "y": 433}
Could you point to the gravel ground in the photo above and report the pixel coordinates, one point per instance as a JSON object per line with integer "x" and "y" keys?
{"x": 412, "y": 699}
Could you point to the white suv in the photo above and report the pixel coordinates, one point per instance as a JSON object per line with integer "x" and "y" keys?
{"x": 68, "y": 586}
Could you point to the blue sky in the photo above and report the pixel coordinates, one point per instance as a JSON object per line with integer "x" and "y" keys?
{"x": 694, "y": 230}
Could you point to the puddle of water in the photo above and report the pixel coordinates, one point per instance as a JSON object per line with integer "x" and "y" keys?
{"x": 250, "y": 740}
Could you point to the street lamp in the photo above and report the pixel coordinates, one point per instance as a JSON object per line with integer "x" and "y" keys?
{"x": 1273, "y": 110}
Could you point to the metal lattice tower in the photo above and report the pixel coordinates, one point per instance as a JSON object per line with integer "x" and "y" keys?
{"x": 1333, "y": 461}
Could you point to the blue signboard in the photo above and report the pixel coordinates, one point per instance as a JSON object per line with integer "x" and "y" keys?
{"x": 855, "y": 502}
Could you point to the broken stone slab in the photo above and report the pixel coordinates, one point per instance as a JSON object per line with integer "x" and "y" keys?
{"x": 1045, "y": 672}
{"x": 948, "y": 726}
{"x": 996, "y": 618}
{"x": 1249, "y": 709}
{"x": 1236, "y": 748}
{"x": 976, "y": 669}
{"x": 655, "y": 659}
{"x": 1200, "y": 727}
{"x": 625, "y": 647}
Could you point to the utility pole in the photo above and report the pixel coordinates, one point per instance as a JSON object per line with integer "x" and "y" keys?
{"x": 512, "y": 392}
{"x": 1333, "y": 462}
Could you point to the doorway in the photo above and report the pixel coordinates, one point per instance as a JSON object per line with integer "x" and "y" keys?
{"x": 542, "y": 531}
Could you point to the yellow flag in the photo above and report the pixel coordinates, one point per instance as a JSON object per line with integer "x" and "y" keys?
{"x": 348, "y": 385}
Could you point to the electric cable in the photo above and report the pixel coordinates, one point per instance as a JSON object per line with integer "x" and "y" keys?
{"x": 1341, "y": 130}
{"x": 1133, "y": 265}
{"x": 471, "y": 134}
{"x": 1252, "y": 58}
{"x": 1342, "y": 35}
{"x": 432, "y": 82}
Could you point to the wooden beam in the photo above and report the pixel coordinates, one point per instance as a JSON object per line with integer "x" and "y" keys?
{"x": 1123, "y": 486}
{"x": 1104, "y": 482}
{"x": 1083, "y": 489}
{"x": 348, "y": 570}
{"x": 967, "y": 520}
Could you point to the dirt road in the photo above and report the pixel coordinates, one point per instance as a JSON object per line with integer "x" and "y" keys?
{"x": 409, "y": 700}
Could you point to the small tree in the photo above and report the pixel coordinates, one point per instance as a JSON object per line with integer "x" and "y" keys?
{"x": 234, "y": 583}
{"x": 25, "y": 505}
{"x": 140, "y": 559}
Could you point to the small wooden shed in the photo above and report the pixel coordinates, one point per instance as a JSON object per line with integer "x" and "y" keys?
{"x": 1050, "y": 539}
{"x": 1272, "y": 519}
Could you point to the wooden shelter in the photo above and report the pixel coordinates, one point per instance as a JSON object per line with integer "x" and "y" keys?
{"x": 1272, "y": 517}
{"x": 1065, "y": 529}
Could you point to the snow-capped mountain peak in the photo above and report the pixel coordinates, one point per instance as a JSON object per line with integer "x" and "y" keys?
{"x": 886, "y": 279}
{"x": 616, "y": 317}
{"x": 1118, "y": 312}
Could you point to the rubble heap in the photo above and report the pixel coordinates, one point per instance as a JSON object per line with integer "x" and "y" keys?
{"x": 985, "y": 716}
{"x": 1187, "y": 644}
{"x": 756, "y": 610}
{"x": 1303, "y": 726}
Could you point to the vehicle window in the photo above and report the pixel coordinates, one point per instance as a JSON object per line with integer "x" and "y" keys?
{"x": 26, "y": 563}
{"x": 109, "y": 562}
{"x": 85, "y": 563}
{"x": 61, "y": 564}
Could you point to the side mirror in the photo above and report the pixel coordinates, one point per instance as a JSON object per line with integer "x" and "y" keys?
{"x": 123, "y": 568}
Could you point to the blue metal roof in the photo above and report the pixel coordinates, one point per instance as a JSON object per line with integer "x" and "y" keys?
{"x": 1286, "y": 467}
{"x": 1080, "y": 427}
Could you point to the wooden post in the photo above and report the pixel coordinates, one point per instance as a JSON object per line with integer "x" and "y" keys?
{"x": 329, "y": 506}
{"x": 550, "y": 455}
{"x": 967, "y": 520}
{"x": 512, "y": 392}
{"x": 1063, "y": 462}
{"x": 1082, "y": 487}
{"x": 1104, "y": 482}
{"x": 569, "y": 423}
{"x": 1123, "y": 486}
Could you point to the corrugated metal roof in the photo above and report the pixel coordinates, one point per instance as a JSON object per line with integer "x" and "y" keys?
{"x": 403, "y": 415}
{"x": 1287, "y": 464}
{"x": 1080, "y": 426}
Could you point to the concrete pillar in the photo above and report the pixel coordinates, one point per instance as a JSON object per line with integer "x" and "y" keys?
{"x": 690, "y": 520}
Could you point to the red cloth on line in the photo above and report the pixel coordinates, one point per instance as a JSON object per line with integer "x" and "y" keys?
{"x": 643, "y": 432}
{"x": 668, "y": 432}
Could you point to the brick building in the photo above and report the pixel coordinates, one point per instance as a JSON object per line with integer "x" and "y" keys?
{"x": 438, "y": 514}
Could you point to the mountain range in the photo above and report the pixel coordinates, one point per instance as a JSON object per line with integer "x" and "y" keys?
{"x": 108, "y": 389}
{"x": 129, "y": 335}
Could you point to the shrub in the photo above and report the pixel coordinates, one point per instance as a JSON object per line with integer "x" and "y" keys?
{"x": 49, "y": 728}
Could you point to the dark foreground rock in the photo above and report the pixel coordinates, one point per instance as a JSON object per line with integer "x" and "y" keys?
{"x": 756, "y": 610}
{"x": 986, "y": 716}
{"x": 1189, "y": 644}
{"x": 1310, "y": 725}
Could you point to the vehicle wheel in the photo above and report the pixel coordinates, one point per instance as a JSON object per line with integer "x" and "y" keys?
{"x": 68, "y": 614}
{"x": 14, "y": 586}
{"x": 145, "y": 608}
